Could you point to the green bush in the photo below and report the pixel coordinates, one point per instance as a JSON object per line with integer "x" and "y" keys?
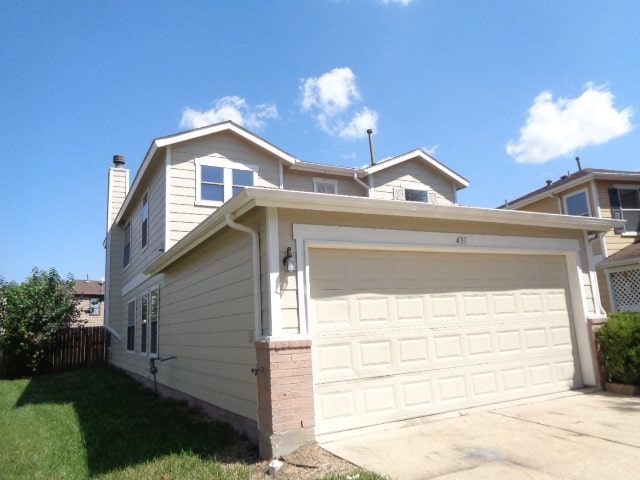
{"x": 619, "y": 341}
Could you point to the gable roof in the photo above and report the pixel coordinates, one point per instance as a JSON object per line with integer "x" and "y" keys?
{"x": 89, "y": 287}
{"x": 228, "y": 126}
{"x": 568, "y": 181}
{"x": 417, "y": 154}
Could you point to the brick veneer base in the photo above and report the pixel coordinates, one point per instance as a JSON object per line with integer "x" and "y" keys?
{"x": 286, "y": 416}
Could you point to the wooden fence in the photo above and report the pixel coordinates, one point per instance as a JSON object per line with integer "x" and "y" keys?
{"x": 71, "y": 348}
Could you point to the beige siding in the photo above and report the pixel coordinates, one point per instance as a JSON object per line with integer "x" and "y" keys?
{"x": 140, "y": 258}
{"x": 303, "y": 182}
{"x": 546, "y": 205}
{"x": 185, "y": 214}
{"x": 88, "y": 320}
{"x": 207, "y": 321}
{"x": 413, "y": 174}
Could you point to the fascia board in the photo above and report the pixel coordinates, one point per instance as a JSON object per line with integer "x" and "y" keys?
{"x": 264, "y": 197}
{"x": 253, "y": 197}
{"x": 629, "y": 262}
{"x": 461, "y": 181}
{"x": 153, "y": 148}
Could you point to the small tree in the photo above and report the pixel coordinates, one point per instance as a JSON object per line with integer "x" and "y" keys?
{"x": 31, "y": 313}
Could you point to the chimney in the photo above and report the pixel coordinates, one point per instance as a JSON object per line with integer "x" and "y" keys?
{"x": 578, "y": 162}
{"x": 117, "y": 189}
{"x": 369, "y": 132}
{"x": 118, "y": 161}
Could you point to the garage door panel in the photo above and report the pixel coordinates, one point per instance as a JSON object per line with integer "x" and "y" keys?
{"x": 427, "y": 333}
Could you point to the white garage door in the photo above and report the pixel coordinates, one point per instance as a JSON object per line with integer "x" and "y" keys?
{"x": 399, "y": 335}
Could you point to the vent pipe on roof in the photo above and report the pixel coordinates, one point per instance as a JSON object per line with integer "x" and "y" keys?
{"x": 119, "y": 161}
{"x": 579, "y": 164}
{"x": 369, "y": 132}
{"x": 549, "y": 182}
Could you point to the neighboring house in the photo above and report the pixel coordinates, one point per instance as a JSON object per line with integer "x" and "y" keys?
{"x": 607, "y": 194}
{"x": 90, "y": 297}
{"x": 304, "y": 301}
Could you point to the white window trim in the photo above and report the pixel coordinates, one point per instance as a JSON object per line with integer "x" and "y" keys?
{"x": 319, "y": 180}
{"x": 573, "y": 194}
{"x": 135, "y": 317}
{"x": 227, "y": 166}
{"x": 627, "y": 186}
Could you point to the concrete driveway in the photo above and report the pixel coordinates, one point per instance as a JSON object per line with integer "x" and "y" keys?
{"x": 574, "y": 436}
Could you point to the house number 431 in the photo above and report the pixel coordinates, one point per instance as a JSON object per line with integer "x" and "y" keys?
{"x": 461, "y": 240}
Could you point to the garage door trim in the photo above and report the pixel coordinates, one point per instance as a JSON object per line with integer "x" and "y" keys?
{"x": 334, "y": 237}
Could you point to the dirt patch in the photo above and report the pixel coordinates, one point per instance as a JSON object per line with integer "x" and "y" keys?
{"x": 306, "y": 463}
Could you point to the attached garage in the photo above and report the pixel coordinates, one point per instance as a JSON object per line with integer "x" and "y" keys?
{"x": 403, "y": 334}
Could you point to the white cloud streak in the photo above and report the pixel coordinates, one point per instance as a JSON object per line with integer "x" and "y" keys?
{"x": 231, "y": 108}
{"x": 330, "y": 98}
{"x": 404, "y": 3}
{"x": 557, "y": 128}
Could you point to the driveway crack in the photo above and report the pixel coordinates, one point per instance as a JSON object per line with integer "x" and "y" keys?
{"x": 564, "y": 429}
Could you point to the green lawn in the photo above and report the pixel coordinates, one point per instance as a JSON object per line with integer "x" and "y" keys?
{"x": 100, "y": 424}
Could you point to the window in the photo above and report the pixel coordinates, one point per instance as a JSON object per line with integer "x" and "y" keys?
{"x": 578, "y": 204}
{"x": 144, "y": 313}
{"x": 153, "y": 323}
{"x": 131, "y": 326}
{"x": 126, "y": 257}
{"x": 94, "y": 306}
{"x": 625, "y": 204}
{"x": 145, "y": 219}
{"x": 324, "y": 185}
{"x": 424, "y": 196}
{"x": 217, "y": 180}
{"x": 212, "y": 188}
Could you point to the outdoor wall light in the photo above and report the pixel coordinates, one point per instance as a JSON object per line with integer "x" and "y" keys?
{"x": 289, "y": 262}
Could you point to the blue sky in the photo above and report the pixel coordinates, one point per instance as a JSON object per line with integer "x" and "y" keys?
{"x": 504, "y": 93}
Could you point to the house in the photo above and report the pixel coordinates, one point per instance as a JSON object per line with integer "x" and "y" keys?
{"x": 606, "y": 194}
{"x": 90, "y": 297}
{"x": 300, "y": 301}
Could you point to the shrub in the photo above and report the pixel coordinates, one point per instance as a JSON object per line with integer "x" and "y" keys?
{"x": 619, "y": 341}
{"x": 31, "y": 313}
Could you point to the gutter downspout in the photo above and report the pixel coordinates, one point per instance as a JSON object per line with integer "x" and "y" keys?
{"x": 360, "y": 182}
{"x": 257, "y": 301}
{"x": 553, "y": 195}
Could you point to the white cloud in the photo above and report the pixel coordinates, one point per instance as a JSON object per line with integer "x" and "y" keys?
{"x": 231, "y": 108}
{"x": 359, "y": 124}
{"x": 557, "y": 128}
{"x": 330, "y": 98}
{"x": 332, "y": 92}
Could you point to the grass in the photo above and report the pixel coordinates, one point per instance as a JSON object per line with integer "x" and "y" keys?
{"x": 100, "y": 424}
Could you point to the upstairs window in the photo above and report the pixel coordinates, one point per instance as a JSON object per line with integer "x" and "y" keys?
{"x": 217, "y": 180}
{"x": 325, "y": 185}
{"x": 126, "y": 254}
{"x": 94, "y": 307}
{"x": 424, "y": 196}
{"x": 578, "y": 204}
{"x": 145, "y": 219}
{"x": 625, "y": 204}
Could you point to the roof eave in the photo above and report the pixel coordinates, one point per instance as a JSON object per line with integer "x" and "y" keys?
{"x": 253, "y": 197}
